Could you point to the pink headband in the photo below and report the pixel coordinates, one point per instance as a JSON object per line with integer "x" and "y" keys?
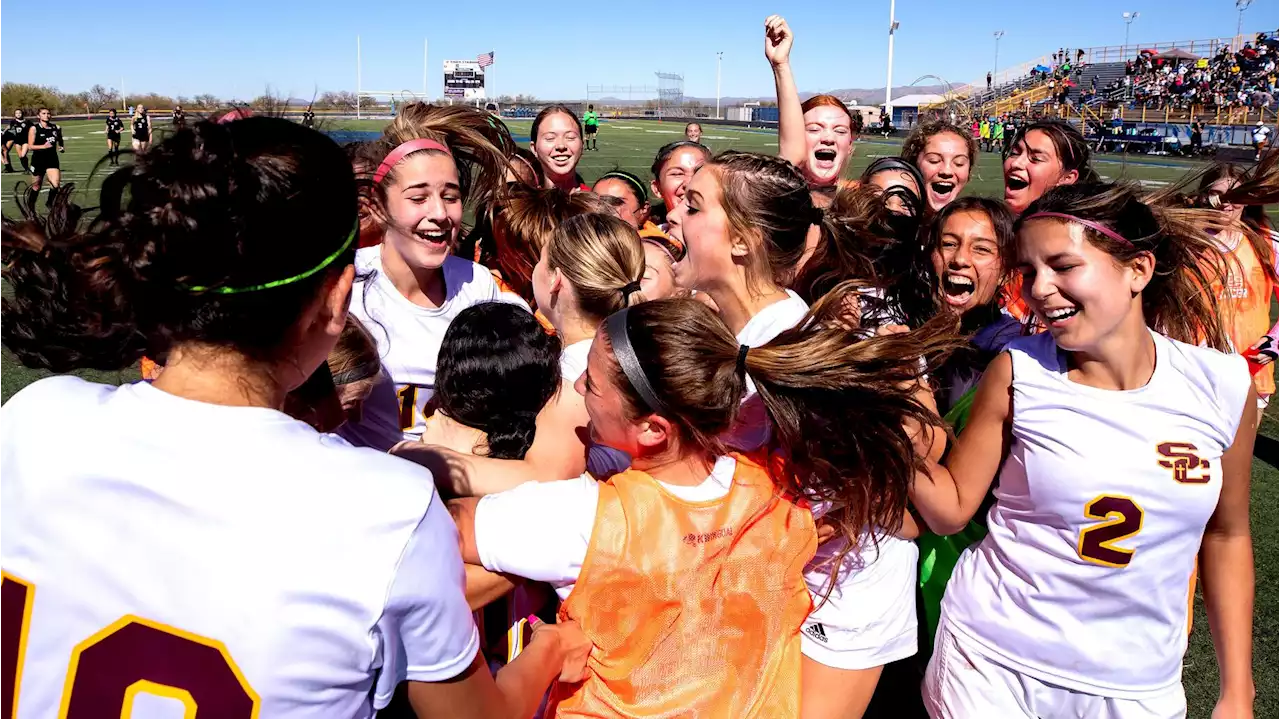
{"x": 395, "y": 156}
{"x": 1096, "y": 227}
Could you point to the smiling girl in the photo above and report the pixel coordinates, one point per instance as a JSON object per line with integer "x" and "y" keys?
{"x": 410, "y": 287}
{"x": 945, "y": 155}
{"x": 1123, "y": 453}
{"x": 1044, "y": 155}
{"x": 556, "y": 138}
{"x": 816, "y": 136}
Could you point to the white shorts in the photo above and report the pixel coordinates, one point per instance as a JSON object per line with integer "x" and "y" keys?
{"x": 962, "y": 683}
{"x": 869, "y": 619}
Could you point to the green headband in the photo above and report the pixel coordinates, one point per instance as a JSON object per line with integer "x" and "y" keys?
{"x": 286, "y": 281}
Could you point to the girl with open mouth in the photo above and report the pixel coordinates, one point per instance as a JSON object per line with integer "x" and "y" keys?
{"x": 945, "y": 155}
{"x": 1091, "y": 431}
{"x": 411, "y": 286}
{"x": 1044, "y": 155}
{"x": 816, "y": 136}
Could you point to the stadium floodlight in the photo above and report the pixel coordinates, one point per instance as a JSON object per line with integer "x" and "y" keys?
{"x": 888, "y": 83}
{"x": 995, "y": 66}
{"x": 1241, "y": 5}
{"x": 719, "y": 57}
{"x": 1129, "y": 17}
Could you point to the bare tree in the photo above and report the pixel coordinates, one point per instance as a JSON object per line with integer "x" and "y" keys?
{"x": 100, "y": 97}
{"x": 206, "y": 101}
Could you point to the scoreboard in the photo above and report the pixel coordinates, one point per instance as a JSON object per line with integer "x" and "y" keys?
{"x": 463, "y": 79}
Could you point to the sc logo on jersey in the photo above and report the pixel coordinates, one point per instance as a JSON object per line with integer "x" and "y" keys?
{"x": 1183, "y": 460}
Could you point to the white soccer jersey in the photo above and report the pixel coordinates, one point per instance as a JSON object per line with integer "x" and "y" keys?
{"x": 573, "y": 360}
{"x": 181, "y": 555}
{"x": 1101, "y": 505}
{"x": 408, "y": 338}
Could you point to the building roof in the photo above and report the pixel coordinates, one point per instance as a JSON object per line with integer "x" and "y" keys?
{"x": 916, "y": 100}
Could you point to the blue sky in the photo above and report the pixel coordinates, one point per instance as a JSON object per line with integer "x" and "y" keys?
{"x": 236, "y": 48}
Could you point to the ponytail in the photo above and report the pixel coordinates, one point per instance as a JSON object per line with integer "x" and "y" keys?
{"x": 838, "y": 399}
{"x": 602, "y": 258}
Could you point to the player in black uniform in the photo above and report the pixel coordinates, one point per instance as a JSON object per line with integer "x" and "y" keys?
{"x": 141, "y": 129}
{"x": 179, "y": 118}
{"x": 44, "y": 141}
{"x": 308, "y": 118}
{"x": 16, "y": 134}
{"x": 115, "y": 128}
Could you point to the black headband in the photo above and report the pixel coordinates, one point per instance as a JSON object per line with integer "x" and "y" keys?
{"x": 616, "y": 328}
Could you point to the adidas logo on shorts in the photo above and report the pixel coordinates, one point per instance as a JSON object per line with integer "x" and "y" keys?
{"x": 816, "y": 632}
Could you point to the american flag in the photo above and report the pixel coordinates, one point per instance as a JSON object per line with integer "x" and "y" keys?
{"x": 485, "y": 59}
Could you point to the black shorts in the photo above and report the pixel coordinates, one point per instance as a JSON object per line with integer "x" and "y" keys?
{"x": 44, "y": 160}
{"x": 590, "y": 129}
{"x": 113, "y": 136}
{"x": 12, "y": 137}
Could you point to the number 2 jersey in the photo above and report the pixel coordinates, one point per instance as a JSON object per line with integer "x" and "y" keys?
{"x": 408, "y": 338}
{"x": 1101, "y": 505}
{"x": 231, "y": 559}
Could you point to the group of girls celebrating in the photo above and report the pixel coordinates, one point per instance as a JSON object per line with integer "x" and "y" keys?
{"x": 699, "y": 458}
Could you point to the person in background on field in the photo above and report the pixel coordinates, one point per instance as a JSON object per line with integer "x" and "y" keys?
{"x": 44, "y": 141}
{"x": 590, "y": 127}
{"x": 308, "y": 117}
{"x": 1261, "y": 139}
{"x": 115, "y": 128}
{"x": 984, "y": 134}
{"x": 16, "y": 134}
{"x": 693, "y": 132}
{"x": 556, "y": 139}
{"x": 141, "y": 129}
{"x": 816, "y": 136}
{"x": 179, "y": 118}
{"x": 997, "y": 135}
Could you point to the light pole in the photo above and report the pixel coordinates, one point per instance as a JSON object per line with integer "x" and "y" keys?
{"x": 719, "y": 56}
{"x": 995, "y": 66}
{"x": 1240, "y": 8}
{"x": 1129, "y": 17}
{"x": 888, "y": 83}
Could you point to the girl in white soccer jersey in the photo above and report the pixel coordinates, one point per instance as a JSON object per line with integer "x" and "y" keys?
{"x": 746, "y": 220}
{"x": 411, "y": 286}
{"x": 1123, "y": 452}
{"x": 198, "y": 545}
{"x": 695, "y": 556}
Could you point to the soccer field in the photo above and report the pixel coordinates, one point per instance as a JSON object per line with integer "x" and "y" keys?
{"x": 630, "y": 145}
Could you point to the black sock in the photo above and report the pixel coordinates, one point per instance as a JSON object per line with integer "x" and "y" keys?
{"x": 49, "y": 200}
{"x": 25, "y": 164}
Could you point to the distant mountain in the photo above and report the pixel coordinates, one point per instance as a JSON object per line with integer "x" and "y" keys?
{"x": 861, "y": 96}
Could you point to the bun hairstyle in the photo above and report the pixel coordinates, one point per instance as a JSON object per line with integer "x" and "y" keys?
{"x": 837, "y": 399}
{"x": 524, "y": 221}
{"x": 602, "y": 257}
{"x": 480, "y": 144}
{"x": 220, "y": 235}
{"x": 498, "y": 368}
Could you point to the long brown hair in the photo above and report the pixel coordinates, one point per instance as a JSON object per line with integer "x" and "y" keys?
{"x": 603, "y": 258}
{"x": 479, "y": 143}
{"x": 767, "y": 200}
{"x": 1180, "y": 300}
{"x": 525, "y": 219}
{"x": 1254, "y": 215}
{"x": 838, "y": 400}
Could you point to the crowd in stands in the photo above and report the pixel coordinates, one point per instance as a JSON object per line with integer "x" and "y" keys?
{"x": 1242, "y": 79}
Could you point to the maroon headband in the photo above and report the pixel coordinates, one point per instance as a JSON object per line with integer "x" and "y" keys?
{"x": 1095, "y": 226}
